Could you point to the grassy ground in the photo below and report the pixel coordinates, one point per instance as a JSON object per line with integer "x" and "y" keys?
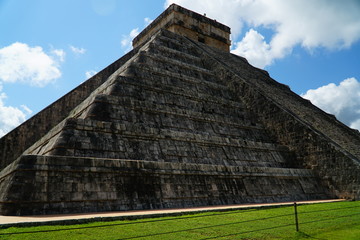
{"x": 333, "y": 221}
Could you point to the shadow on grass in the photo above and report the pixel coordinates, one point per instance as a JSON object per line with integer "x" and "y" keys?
{"x": 302, "y": 235}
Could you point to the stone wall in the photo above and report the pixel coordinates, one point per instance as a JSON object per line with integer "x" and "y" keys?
{"x": 280, "y": 94}
{"x": 338, "y": 169}
{"x": 89, "y": 138}
{"x": 321, "y": 143}
{"x": 53, "y": 184}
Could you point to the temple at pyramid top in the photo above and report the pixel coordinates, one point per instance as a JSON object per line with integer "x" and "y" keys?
{"x": 189, "y": 24}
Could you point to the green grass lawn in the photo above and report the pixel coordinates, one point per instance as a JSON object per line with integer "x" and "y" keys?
{"x": 340, "y": 220}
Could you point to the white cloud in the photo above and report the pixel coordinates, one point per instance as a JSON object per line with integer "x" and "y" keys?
{"x": 342, "y": 100}
{"x": 254, "y": 48}
{"x": 126, "y": 41}
{"x": 331, "y": 24}
{"x": 11, "y": 117}
{"x": 21, "y": 63}
{"x": 103, "y": 7}
{"x": 60, "y": 54}
{"x": 77, "y": 51}
{"x": 90, "y": 73}
{"x": 355, "y": 125}
{"x": 31, "y": 65}
{"x": 147, "y": 21}
{"x": 26, "y": 109}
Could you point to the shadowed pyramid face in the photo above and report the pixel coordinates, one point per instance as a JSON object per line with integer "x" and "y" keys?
{"x": 176, "y": 123}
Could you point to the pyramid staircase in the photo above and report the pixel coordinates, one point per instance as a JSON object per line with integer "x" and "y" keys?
{"x": 167, "y": 129}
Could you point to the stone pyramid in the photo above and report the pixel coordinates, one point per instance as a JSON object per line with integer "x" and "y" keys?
{"x": 177, "y": 122}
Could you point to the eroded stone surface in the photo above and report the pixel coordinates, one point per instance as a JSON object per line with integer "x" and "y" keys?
{"x": 53, "y": 184}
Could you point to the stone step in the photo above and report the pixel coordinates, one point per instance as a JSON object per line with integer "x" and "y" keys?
{"x": 102, "y": 165}
{"x": 159, "y": 50}
{"x": 100, "y": 184}
{"x": 105, "y": 107}
{"x": 176, "y": 66}
{"x": 126, "y": 109}
{"x": 161, "y": 76}
{"x": 163, "y": 61}
{"x": 122, "y": 85}
{"x": 89, "y": 138}
{"x": 207, "y": 97}
{"x": 176, "y": 44}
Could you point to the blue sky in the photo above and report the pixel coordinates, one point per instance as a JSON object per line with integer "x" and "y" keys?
{"x": 49, "y": 47}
